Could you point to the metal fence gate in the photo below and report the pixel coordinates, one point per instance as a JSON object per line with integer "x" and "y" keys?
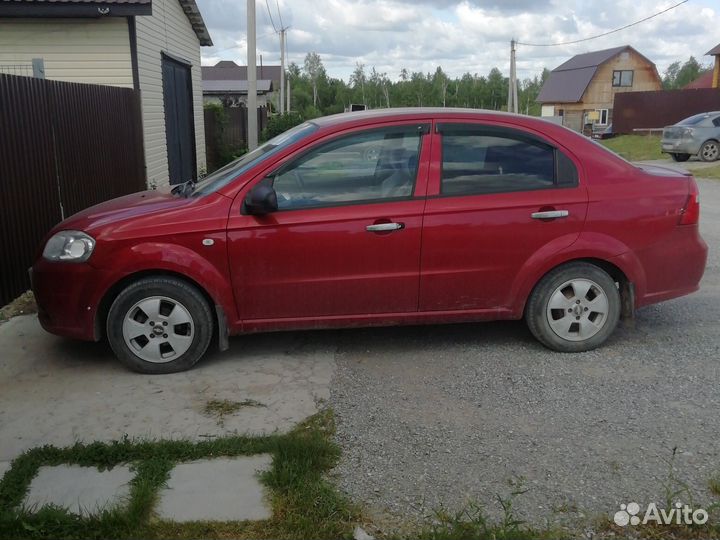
{"x": 63, "y": 147}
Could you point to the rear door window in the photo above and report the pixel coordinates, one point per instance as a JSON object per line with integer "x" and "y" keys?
{"x": 477, "y": 160}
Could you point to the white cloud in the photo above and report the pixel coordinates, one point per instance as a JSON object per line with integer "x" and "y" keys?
{"x": 461, "y": 36}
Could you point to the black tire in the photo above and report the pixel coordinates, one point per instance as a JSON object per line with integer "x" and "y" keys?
{"x": 709, "y": 151}
{"x": 194, "y": 304}
{"x": 680, "y": 157}
{"x": 537, "y": 318}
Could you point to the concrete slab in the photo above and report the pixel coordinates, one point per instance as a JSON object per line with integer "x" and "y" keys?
{"x": 228, "y": 488}
{"x": 4, "y": 467}
{"x": 58, "y": 391}
{"x": 82, "y": 490}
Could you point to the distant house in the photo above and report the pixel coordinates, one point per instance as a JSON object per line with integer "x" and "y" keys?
{"x": 150, "y": 45}
{"x": 582, "y": 90}
{"x": 226, "y": 82}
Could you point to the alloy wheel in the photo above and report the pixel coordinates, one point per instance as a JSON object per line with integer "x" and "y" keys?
{"x": 158, "y": 329}
{"x": 710, "y": 151}
{"x": 577, "y": 309}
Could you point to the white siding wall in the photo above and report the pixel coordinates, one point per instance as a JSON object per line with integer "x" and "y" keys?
{"x": 93, "y": 51}
{"x": 168, "y": 30}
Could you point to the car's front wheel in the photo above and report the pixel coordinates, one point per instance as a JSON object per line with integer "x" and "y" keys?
{"x": 574, "y": 308}
{"x": 680, "y": 157}
{"x": 159, "y": 325}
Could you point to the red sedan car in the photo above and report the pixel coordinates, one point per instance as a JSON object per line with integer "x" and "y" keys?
{"x": 378, "y": 218}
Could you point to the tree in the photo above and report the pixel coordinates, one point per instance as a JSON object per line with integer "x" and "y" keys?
{"x": 440, "y": 83}
{"x": 498, "y": 89}
{"x": 315, "y": 70}
{"x": 678, "y": 76}
{"x": 690, "y": 71}
{"x": 358, "y": 79}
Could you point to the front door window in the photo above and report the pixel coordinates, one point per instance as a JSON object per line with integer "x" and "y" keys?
{"x": 372, "y": 166}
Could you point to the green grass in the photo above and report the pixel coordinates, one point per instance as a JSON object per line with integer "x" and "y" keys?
{"x": 636, "y": 147}
{"x": 304, "y": 504}
{"x": 707, "y": 172}
{"x": 219, "y": 409}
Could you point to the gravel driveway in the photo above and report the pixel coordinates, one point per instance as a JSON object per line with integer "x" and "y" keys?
{"x": 442, "y": 415}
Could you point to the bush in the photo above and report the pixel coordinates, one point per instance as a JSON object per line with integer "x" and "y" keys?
{"x": 279, "y": 124}
{"x": 225, "y": 152}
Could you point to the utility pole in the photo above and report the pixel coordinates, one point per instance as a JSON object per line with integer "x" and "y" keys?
{"x": 288, "y": 94}
{"x": 282, "y": 70}
{"x": 512, "y": 86}
{"x": 252, "y": 77}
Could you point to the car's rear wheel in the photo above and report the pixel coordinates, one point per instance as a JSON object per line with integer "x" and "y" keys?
{"x": 159, "y": 325}
{"x": 680, "y": 157}
{"x": 709, "y": 151}
{"x": 574, "y": 308}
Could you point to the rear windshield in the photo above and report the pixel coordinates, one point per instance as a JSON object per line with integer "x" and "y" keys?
{"x": 232, "y": 170}
{"x": 693, "y": 120}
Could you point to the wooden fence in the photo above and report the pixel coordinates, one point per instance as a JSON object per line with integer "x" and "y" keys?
{"x": 63, "y": 147}
{"x": 226, "y": 133}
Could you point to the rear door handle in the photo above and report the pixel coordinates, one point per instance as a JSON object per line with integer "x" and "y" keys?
{"x": 379, "y": 227}
{"x": 550, "y": 214}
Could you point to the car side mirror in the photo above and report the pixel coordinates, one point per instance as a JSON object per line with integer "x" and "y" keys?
{"x": 261, "y": 200}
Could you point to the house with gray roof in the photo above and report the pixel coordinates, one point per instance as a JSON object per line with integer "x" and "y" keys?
{"x": 226, "y": 83}
{"x": 581, "y": 91}
{"x": 150, "y": 45}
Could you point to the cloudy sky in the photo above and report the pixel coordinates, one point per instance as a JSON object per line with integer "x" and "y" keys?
{"x": 461, "y": 36}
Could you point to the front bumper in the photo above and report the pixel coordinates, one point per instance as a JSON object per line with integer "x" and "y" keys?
{"x": 67, "y": 297}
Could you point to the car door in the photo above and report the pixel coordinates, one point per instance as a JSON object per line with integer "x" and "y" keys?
{"x": 498, "y": 197}
{"x": 345, "y": 240}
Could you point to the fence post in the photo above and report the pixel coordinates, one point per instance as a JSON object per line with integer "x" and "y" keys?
{"x": 38, "y": 65}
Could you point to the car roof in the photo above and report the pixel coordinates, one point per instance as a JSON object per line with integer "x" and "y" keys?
{"x": 420, "y": 112}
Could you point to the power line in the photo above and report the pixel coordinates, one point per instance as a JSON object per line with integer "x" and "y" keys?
{"x": 282, "y": 24}
{"x": 604, "y": 33}
{"x": 267, "y": 5}
{"x": 239, "y": 46}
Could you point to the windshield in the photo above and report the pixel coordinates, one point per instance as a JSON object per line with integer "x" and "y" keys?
{"x": 232, "y": 170}
{"x": 693, "y": 120}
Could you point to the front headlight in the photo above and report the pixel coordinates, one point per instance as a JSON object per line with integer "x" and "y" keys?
{"x": 70, "y": 246}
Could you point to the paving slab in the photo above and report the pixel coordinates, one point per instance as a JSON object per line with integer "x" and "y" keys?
{"x": 59, "y": 391}
{"x": 4, "y": 467}
{"x": 228, "y": 488}
{"x": 82, "y": 490}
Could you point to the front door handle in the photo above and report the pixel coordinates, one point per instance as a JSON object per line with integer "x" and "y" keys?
{"x": 550, "y": 214}
{"x": 380, "y": 227}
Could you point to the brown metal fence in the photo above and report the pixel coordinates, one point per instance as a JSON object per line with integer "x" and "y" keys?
{"x": 653, "y": 110}
{"x": 226, "y": 133}
{"x": 63, "y": 147}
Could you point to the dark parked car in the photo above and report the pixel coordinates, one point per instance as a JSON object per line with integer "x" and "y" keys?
{"x": 699, "y": 134}
{"x": 460, "y": 215}
{"x": 604, "y": 133}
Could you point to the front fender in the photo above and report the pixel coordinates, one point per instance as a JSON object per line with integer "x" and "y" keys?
{"x": 209, "y": 269}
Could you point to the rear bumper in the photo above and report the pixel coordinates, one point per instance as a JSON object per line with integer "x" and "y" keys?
{"x": 679, "y": 146}
{"x": 67, "y": 298}
{"x": 673, "y": 267}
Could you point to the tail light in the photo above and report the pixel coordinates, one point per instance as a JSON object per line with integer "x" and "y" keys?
{"x": 690, "y": 213}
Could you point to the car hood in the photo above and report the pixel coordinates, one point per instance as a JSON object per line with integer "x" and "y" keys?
{"x": 130, "y": 207}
